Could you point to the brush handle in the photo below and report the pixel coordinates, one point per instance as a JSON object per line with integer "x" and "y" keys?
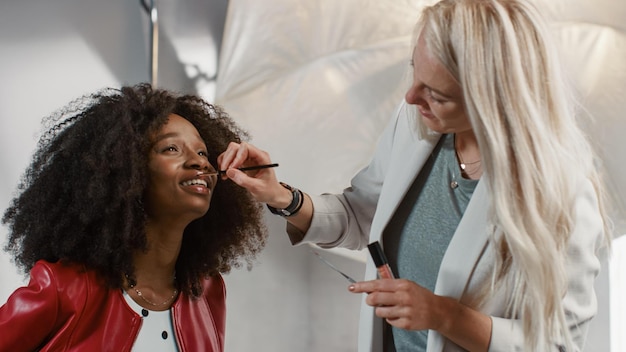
{"x": 247, "y": 168}
{"x": 250, "y": 168}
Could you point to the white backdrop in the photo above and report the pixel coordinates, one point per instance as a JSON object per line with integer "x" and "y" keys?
{"x": 314, "y": 82}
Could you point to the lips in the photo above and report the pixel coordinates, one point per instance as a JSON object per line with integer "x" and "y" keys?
{"x": 200, "y": 181}
{"x": 425, "y": 114}
{"x": 195, "y": 181}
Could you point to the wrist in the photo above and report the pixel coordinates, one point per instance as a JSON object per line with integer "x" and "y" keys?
{"x": 463, "y": 325}
{"x": 292, "y": 204}
{"x": 445, "y": 311}
{"x": 282, "y": 198}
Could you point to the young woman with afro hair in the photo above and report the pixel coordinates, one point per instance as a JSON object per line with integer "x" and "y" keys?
{"x": 124, "y": 226}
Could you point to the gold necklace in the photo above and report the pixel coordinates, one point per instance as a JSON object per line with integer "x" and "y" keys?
{"x": 132, "y": 285}
{"x": 150, "y": 302}
{"x": 463, "y": 165}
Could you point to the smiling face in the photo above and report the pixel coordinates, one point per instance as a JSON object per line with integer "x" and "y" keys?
{"x": 436, "y": 93}
{"x": 178, "y": 154}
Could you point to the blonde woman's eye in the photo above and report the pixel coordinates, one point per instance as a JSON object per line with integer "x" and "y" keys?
{"x": 433, "y": 98}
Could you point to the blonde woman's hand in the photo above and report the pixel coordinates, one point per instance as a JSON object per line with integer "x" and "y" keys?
{"x": 407, "y": 305}
{"x": 403, "y": 303}
{"x": 262, "y": 183}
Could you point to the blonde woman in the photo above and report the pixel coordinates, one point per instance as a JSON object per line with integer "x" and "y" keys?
{"x": 482, "y": 191}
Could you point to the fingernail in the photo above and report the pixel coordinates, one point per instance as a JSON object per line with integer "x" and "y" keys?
{"x": 351, "y": 288}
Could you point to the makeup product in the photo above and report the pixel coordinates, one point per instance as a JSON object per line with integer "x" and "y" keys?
{"x": 333, "y": 267}
{"x": 248, "y": 168}
{"x": 376, "y": 251}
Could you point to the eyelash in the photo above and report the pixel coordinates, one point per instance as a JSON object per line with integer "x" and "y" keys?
{"x": 202, "y": 153}
{"x": 430, "y": 95}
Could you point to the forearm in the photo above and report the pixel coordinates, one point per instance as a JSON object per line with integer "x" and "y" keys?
{"x": 463, "y": 325}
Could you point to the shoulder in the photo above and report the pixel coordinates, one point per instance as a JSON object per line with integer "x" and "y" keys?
{"x": 59, "y": 267}
{"x": 54, "y": 273}
{"x": 214, "y": 288}
{"x": 61, "y": 273}
{"x": 214, "y": 294}
{"x": 588, "y": 222}
{"x": 587, "y": 193}
{"x": 72, "y": 283}
{"x": 403, "y": 118}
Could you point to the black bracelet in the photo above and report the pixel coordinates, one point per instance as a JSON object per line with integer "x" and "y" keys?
{"x": 294, "y": 206}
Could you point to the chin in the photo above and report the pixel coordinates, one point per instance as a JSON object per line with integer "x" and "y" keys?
{"x": 197, "y": 210}
{"x": 434, "y": 126}
{"x": 202, "y": 211}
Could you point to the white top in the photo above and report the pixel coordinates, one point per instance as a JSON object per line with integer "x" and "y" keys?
{"x": 157, "y": 330}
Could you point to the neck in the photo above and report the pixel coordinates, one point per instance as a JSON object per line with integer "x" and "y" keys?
{"x": 155, "y": 268}
{"x": 153, "y": 271}
{"x": 154, "y": 284}
{"x": 468, "y": 154}
{"x": 158, "y": 263}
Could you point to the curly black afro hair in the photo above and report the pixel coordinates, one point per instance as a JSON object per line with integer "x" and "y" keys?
{"x": 80, "y": 200}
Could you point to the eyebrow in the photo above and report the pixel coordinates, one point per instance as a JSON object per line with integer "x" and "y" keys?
{"x": 165, "y": 136}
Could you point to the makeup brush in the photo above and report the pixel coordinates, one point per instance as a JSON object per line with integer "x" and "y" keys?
{"x": 247, "y": 168}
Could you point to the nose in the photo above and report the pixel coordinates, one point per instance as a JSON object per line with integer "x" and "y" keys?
{"x": 415, "y": 96}
{"x": 199, "y": 162}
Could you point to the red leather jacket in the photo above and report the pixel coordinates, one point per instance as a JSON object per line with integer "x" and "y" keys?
{"x": 67, "y": 308}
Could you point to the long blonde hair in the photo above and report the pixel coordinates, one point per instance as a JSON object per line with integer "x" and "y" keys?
{"x": 533, "y": 151}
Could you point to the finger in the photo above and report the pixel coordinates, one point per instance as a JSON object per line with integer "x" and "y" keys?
{"x": 388, "y": 312}
{"x": 240, "y": 178}
{"x": 240, "y": 156}
{"x": 226, "y": 158}
{"x": 381, "y": 298}
{"x": 371, "y": 286}
{"x": 405, "y": 322}
{"x": 399, "y": 317}
{"x": 401, "y": 322}
{"x": 245, "y": 155}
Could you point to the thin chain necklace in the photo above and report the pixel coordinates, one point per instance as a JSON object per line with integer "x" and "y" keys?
{"x": 463, "y": 165}
{"x": 131, "y": 285}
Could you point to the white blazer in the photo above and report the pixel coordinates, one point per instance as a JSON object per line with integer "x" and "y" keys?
{"x": 359, "y": 215}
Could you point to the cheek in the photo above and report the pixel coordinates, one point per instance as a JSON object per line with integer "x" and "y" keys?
{"x": 446, "y": 112}
{"x": 158, "y": 180}
{"x": 161, "y": 169}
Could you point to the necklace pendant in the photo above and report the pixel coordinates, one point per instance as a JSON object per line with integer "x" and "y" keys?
{"x": 462, "y": 165}
{"x": 454, "y": 184}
